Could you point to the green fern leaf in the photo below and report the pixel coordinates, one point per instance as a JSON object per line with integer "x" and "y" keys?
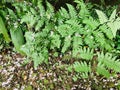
{"x": 84, "y": 75}
{"x": 86, "y": 53}
{"x": 50, "y": 10}
{"x": 109, "y": 61}
{"x": 72, "y": 11}
{"x": 102, "y": 17}
{"x": 113, "y": 15}
{"x": 102, "y": 70}
{"x": 41, "y": 8}
{"x": 107, "y": 31}
{"x": 83, "y": 9}
{"x": 77, "y": 41}
{"x": 67, "y": 43}
{"x": 89, "y": 40}
{"x": 114, "y": 26}
{"x": 81, "y": 67}
{"x": 64, "y": 13}
{"x": 40, "y": 23}
{"x": 56, "y": 42}
{"x": 90, "y": 23}
{"x": 64, "y": 30}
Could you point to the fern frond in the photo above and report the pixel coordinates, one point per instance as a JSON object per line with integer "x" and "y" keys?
{"x": 81, "y": 67}
{"x": 107, "y": 31}
{"x": 63, "y": 30}
{"x": 83, "y": 9}
{"x": 91, "y": 23}
{"x": 77, "y": 41}
{"x": 84, "y": 75}
{"x": 113, "y": 15}
{"x": 99, "y": 37}
{"x": 40, "y": 23}
{"x": 64, "y": 13}
{"x": 67, "y": 43}
{"x": 72, "y": 11}
{"x": 101, "y": 70}
{"x": 29, "y": 19}
{"x": 114, "y": 26}
{"x": 56, "y": 42}
{"x": 41, "y": 8}
{"x": 89, "y": 40}
{"x": 74, "y": 26}
{"x": 86, "y": 53}
{"x": 102, "y": 17}
{"x": 50, "y": 10}
{"x": 109, "y": 61}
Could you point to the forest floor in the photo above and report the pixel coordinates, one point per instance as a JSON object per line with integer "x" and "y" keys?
{"x": 16, "y": 75}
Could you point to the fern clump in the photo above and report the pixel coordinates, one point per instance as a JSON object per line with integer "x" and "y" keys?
{"x": 70, "y": 36}
{"x": 66, "y": 30}
{"x": 99, "y": 66}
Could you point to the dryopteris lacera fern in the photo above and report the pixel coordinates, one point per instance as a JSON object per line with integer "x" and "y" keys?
{"x": 104, "y": 64}
{"x": 63, "y": 31}
{"x": 38, "y": 42}
{"x": 113, "y": 22}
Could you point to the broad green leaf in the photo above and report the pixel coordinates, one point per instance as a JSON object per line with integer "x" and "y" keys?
{"x": 17, "y": 38}
{"x": 4, "y": 31}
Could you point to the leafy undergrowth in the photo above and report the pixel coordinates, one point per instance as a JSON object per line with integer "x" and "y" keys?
{"x": 17, "y": 76}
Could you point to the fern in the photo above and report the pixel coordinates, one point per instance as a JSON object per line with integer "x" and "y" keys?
{"x": 67, "y": 43}
{"x": 86, "y": 53}
{"x": 102, "y": 17}
{"x": 63, "y": 13}
{"x": 113, "y": 15}
{"x": 113, "y": 22}
{"x": 81, "y": 67}
{"x": 77, "y": 42}
{"x": 101, "y": 70}
{"x": 55, "y": 41}
{"x": 72, "y": 11}
{"x": 41, "y": 8}
{"x": 114, "y": 26}
{"x": 109, "y": 61}
{"x": 84, "y": 12}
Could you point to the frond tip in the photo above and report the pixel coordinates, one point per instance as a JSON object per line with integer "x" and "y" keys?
{"x": 109, "y": 61}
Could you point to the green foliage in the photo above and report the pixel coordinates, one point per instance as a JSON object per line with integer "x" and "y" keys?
{"x": 38, "y": 42}
{"x": 71, "y": 32}
{"x": 113, "y": 22}
{"x": 16, "y": 30}
{"x": 65, "y": 30}
{"x": 103, "y": 64}
{"x": 4, "y": 31}
{"x": 109, "y": 61}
